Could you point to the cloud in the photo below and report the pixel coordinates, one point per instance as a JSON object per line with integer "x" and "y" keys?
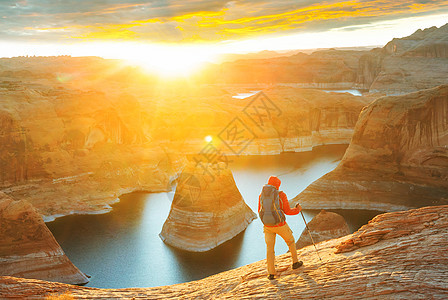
{"x": 193, "y": 21}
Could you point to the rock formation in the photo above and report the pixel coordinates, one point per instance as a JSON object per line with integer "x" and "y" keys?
{"x": 273, "y": 121}
{"x": 403, "y": 65}
{"x": 324, "y": 226}
{"x": 68, "y": 135}
{"x": 328, "y": 68}
{"x": 397, "y": 159}
{"x": 403, "y": 257}
{"x": 407, "y": 64}
{"x": 207, "y": 209}
{"x": 28, "y": 249}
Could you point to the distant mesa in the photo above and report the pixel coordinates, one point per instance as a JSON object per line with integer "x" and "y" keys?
{"x": 403, "y": 65}
{"x": 324, "y": 226}
{"x": 28, "y": 249}
{"x": 397, "y": 159}
{"x": 207, "y": 209}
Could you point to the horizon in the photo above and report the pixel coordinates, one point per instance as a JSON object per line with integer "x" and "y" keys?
{"x": 175, "y": 39}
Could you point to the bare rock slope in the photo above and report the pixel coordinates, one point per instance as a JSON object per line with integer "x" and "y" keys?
{"x": 28, "y": 249}
{"x": 207, "y": 210}
{"x": 400, "y": 255}
{"x": 397, "y": 159}
{"x": 324, "y": 226}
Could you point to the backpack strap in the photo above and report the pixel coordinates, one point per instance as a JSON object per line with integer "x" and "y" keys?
{"x": 280, "y": 200}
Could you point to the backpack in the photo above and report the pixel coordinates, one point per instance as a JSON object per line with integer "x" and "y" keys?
{"x": 271, "y": 213}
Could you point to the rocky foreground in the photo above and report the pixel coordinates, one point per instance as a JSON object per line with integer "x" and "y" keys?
{"x": 28, "y": 249}
{"x": 400, "y": 255}
{"x": 397, "y": 159}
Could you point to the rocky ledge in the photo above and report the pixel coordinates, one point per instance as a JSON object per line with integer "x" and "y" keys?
{"x": 28, "y": 249}
{"x": 207, "y": 210}
{"x": 400, "y": 255}
{"x": 397, "y": 159}
{"x": 324, "y": 226}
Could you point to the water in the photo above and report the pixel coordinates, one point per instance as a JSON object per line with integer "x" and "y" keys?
{"x": 122, "y": 248}
{"x": 353, "y": 92}
{"x": 245, "y": 95}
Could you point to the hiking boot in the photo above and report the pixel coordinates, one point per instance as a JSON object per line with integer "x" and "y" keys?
{"x": 297, "y": 264}
{"x": 271, "y": 276}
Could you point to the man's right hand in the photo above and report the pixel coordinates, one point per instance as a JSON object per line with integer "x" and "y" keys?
{"x": 298, "y": 206}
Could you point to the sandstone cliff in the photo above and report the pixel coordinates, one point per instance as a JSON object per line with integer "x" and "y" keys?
{"x": 398, "y": 255}
{"x": 408, "y": 64}
{"x": 78, "y": 147}
{"x": 397, "y": 159}
{"x": 28, "y": 249}
{"x": 403, "y": 65}
{"x": 85, "y": 138}
{"x": 207, "y": 210}
{"x": 324, "y": 66}
{"x": 276, "y": 120}
{"x": 324, "y": 226}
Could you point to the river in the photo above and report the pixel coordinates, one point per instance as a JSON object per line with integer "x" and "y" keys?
{"x": 122, "y": 248}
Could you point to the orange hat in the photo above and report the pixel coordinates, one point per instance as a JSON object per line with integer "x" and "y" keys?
{"x": 274, "y": 181}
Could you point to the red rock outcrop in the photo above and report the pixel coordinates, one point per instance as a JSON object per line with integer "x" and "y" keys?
{"x": 324, "y": 226}
{"x": 207, "y": 210}
{"x": 397, "y": 159}
{"x": 28, "y": 249}
{"x": 408, "y": 262}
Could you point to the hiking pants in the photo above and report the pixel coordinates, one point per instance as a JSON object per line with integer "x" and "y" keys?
{"x": 269, "y": 236}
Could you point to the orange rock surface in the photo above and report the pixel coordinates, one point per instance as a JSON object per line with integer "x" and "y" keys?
{"x": 28, "y": 249}
{"x": 409, "y": 262}
{"x": 397, "y": 159}
{"x": 77, "y": 133}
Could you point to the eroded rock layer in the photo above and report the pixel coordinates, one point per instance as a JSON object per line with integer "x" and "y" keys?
{"x": 407, "y": 259}
{"x": 28, "y": 249}
{"x": 397, "y": 159}
{"x": 72, "y": 143}
{"x": 207, "y": 210}
{"x": 324, "y": 226}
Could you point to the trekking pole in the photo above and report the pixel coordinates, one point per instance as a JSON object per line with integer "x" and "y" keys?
{"x": 307, "y": 228}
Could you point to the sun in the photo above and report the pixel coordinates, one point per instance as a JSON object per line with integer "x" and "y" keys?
{"x": 208, "y": 138}
{"x": 171, "y": 61}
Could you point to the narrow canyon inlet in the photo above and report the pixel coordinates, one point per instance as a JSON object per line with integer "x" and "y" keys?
{"x": 122, "y": 248}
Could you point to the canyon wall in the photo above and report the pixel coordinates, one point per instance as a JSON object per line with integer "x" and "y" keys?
{"x": 397, "y": 159}
{"x": 403, "y": 65}
{"x": 75, "y": 139}
{"x": 28, "y": 249}
{"x": 207, "y": 209}
{"x": 275, "y": 120}
{"x": 68, "y": 150}
{"x": 407, "y": 64}
{"x": 400, "y": 255}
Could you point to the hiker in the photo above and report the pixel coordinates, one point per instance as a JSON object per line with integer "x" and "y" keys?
{"x": 272, "y": 207}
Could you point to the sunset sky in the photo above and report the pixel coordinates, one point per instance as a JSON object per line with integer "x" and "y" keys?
{"x": 115, "y": 28}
